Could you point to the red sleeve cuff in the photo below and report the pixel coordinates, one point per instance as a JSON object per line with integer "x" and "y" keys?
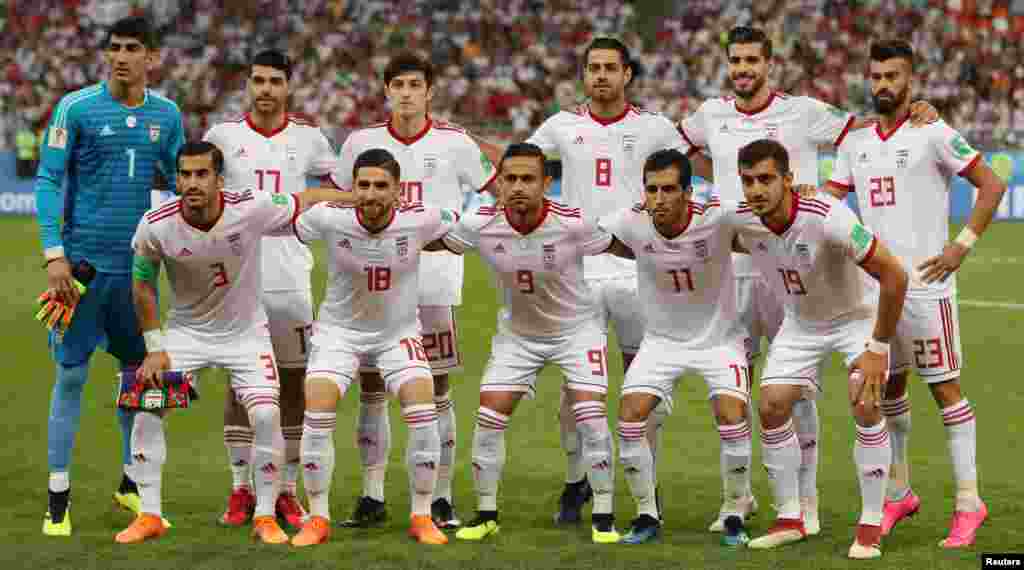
{"x": 490, "y": 181}
{"x": 871, "y": 252}
{"x": 970, "y": 165}
{"x": 846, "y": 129}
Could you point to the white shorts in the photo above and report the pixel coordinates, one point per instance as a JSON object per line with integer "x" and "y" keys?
{"x": 248, "y": 359}
{"x": 440, "y": 338}
{"x": 928, "y": 339}
{"x": 291, "y": 321}
{"x": 619, "y": 304}
{"x": 759, "y": 311}
{"x": 798, "y": 350}
{"x": 333, "y": 356}
{"x": 661, "y": 361}
{"x": 516, "y": 360}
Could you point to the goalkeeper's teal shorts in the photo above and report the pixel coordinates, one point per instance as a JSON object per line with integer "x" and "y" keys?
{"x": 105, "y": 318}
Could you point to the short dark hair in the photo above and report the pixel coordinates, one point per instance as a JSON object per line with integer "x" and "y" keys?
{"x": 667, "y": 158}
{"x": 524, "y": 149}
{"x": 764, "y": 149}
{"x": 273, "y": 58}
{"x": 889, "y": 49}
{"x": 749, "y": 35}
{"x": 377, "y": 158}
{"x": 610, "y": 43}
{"x": 135, "y": 27}
{"x": 199, "y": 148}
{"x": 408, "y": 62}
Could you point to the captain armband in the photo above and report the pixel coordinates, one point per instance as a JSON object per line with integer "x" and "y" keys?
{"x": 144, "y": 269}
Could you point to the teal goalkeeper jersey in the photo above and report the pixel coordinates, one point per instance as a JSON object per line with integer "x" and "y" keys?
{"x": 97, "y": 167}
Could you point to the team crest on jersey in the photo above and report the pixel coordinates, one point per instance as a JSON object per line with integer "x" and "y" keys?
{"x": 700, "y": 247}
{"x": 154, "y": 133}
{"x": 902, "y": 156}
{"x": 402, "y": 247}
{"x": 803, "y": 254}
{"x": 499, "y": 248}
{"x": 548, "y": 249}
{"x": 724, "y": 129}
{"x": 240, "y": 152}
{"x": 771, "y": 130}
{"x": 345, "y": 244}
{"x": 235, "y": 242}
{"x": 648, "y": 248}
{"x": 429, "y": 165}
{"x": 863, "y": 158}
{"x": 131, "y": 121}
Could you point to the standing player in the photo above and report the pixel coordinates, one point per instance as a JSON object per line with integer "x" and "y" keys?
{"x": 603, "y": 145}
{"x": 437, "y": 161}
{"x": 108, "y": 143}
{"x": 210, "y": 241}
{"x": 684, "y": 266}
{"x": 536, "y": 249}
{"x": 801, "y": 124}
{"x": 368, "y": 318}
{"x": 902, "y": 176}
{"x": 809, "y": 250}
{"x": 273, "y": 151}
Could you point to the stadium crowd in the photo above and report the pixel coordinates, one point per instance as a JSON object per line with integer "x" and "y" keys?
{"x": 507, "y": 65}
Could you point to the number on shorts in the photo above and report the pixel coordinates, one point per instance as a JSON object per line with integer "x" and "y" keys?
{"x": 603, "y": 172}
{"x": 932, "y": 347}
{"x": 791, "y": 279}
{"x": 377, "y": 278}
{"x": 597, "y": 359}
{"x": 442, "y": 343}
{"x": 271, "y": 369}
{"x": 220, "y": 274}
{"x": 524, "y": 277}
{"x": 276, "y": 174}
{"x": 303, "y": 331}
{"x": 682, "y": 278}
{"x": 411, "y": 192}
{"x": 415, "y": 349}
{"x": 882, "y": 191}
{"x": 742, "y": 376}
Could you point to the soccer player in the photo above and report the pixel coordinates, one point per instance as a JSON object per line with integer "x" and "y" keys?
{"x": 368, "y": 318}
{"x": 808, "y": 251}
{"x": 603, "y": 145}
{"x": 684, "y": 265}
{"x": 210, "y": 241}
{"x": 438, "y": 160}
{"x": 536, "y": 249}
{"x": 902, "y": 178}
{"x": 107, "y": 143}
{"x": 273, "y": 151}
{"x": 720, "y": 127}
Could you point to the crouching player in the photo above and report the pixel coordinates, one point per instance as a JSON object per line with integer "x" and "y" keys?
{"x": 210, "y": 241}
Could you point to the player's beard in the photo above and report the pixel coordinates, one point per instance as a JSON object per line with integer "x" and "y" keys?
{"x": 267, "y": 106}
{"x": 607, "y": 95}
{"x": 887, "y": 106}
{"x": 757, "y": 82}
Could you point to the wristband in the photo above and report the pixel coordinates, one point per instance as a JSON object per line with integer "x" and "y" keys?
{"x": 878, "y": 347}
{"x": 154, "y": 340}
{"x": 967, "y": 237}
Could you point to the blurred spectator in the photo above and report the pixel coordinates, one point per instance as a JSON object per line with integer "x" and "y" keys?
{"x": 26, "y": 144}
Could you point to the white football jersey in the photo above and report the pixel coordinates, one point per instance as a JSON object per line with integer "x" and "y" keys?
{"x": 540, "y": 269}
{"x": 800, "y": 124}
{"x": 902, "y": 180}
{"x": 278, "y": 161}
{"x": 372, "y": 277}
{"x": 685, "y": 283}
{"x": 215, "y": 274}
{"x": 603, "y": 164}
{"x": 438, "y": 166}
{"x": 811, "y": 262}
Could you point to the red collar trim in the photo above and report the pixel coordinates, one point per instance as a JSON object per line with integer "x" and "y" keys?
{"x": 885, "y": 136}
{"x": 757, "y": 110}
{"x": 524, "y": 230}
{"x": 267, "y": 134}
{"x": 792, "y": 217}
{"x": 605, "y": 122}
{"x": 210, "y": 226}
{"x": 359, "y": 218}
{"x": 414, "y": 138}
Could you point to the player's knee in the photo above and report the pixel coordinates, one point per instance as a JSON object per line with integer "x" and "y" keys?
{"x": 730, "y": 411}
{"x": 866, "y": 414}
{"x": 72, "y": 378}
{"x": 773, "y": 411}
{"x": 896, "y": 386}
{"x": 321, "y": 394}
{"x": 635, "y": 408}
{"x": 265, "y": 417}
{"x": 946, "y": 393}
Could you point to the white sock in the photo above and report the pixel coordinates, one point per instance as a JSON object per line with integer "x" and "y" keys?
{"x": 488, "y": 456}
{"x": 781, "y": 455}
{"x": 638, "y": 466}
{"x": 805, "y": 424}
{"x": 897, "y": 418}
{"x": 422, "y": 454}
{"x": 735, "y": 460}
{"x": 873, "y": 454}
{"x": 317, "y": 450}
{"x": 373, "y": 437}
{"x": 961, "y": 434}
{"x": 592, "y": 425}
{"x": 60, "y": 481}
{"x": 292, "y": 450}
{"x": 446, "y": 431}
{"x": 575, "y": 470}
{"x": 238, "y": 441}
{"x": 149, "y": 452}
{"x": 267, "y": 449}
{"x": 655, "y": 427}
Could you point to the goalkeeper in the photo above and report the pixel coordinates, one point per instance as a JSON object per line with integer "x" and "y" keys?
{"x": 104, "y": 147}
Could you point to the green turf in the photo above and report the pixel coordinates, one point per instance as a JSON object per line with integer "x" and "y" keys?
{"x": 197, "y": 479}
